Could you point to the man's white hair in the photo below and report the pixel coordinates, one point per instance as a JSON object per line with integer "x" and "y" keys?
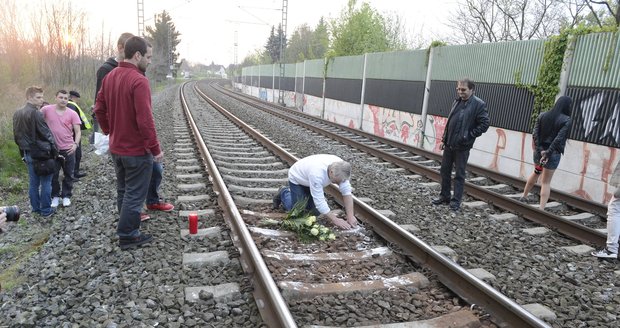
{"x": 341, "y": 170}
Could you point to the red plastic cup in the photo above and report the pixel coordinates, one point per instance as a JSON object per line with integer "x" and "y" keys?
{"x": 193, "y": 223}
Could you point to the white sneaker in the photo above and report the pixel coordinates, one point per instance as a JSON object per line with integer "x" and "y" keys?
{"x": 55, "y": 201}
{"x": 605, "y": 253}
{"x": 66, "y": 201}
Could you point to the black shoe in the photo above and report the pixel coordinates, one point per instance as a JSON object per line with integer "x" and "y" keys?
{"x": 126, "y": 243}
{"x": 80, "y": 175}
{"x": 277, "y": 198}
{"x": 50, "y": 214}
{"x": 455, "y": 206}
{"x": 441, "y": 201}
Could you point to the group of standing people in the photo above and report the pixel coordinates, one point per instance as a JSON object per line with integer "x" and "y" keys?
{"x": 123, "y": 111}
{"x": 469, "y": 118}
{"x": 55, "y": 131}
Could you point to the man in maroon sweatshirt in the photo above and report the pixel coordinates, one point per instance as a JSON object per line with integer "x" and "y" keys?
{"x": 124, "y": 112}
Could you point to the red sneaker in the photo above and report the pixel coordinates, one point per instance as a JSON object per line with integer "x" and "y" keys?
{"x": 161, "y": 206}
{"x": 144, "y": 217}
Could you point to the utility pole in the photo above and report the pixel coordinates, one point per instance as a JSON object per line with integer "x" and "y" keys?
{"x": 282, "y": 37}
{"x": 170, "y": 63}
{"x": 236, "y": 35}
{"x": 236, "y": 46}
{"x": 141, "y": 18}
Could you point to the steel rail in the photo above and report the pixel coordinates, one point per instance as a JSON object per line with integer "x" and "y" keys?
{"x": 562, "y": 225}
{"x": 459, "y": 280}
{"x": 267, "y": 296}
{"x": 574, "y": 201}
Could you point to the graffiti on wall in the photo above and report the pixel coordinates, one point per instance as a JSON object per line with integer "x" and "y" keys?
{"x": 396, "y": 125}
{"x": 407, "y": 127}
{"x": 500, "y": 145}
{"x": 439, "y": 125}
{"x": 597, "y": 116}
{"x": 262, "y": 94}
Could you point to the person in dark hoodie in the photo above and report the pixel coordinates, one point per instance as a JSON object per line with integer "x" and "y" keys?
{"x": 106, "y": 68}
{"x": 549, "y": 136}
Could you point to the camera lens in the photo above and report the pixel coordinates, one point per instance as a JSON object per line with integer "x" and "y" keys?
{"x": 12, "y": 213}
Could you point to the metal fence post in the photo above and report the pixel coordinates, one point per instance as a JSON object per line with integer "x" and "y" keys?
{"x": 363, "y": 92}
{"x": 427, "y": 89}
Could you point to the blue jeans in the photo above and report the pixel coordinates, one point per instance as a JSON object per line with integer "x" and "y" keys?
{"x": 67, "y": 166}
{"x": 40, "y": 189}
{"x": 133, "y": 174}
{"x": 295, "y": 193}
{"x": 152, "y": 197}
{"x": 458, "y": 158}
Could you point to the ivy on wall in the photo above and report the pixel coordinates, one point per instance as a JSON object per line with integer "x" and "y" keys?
{"x": 434, "y": 44}
{"x": 548, "y": 79}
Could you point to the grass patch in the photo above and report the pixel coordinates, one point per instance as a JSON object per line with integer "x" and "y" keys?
{"x": 10, "y": 276}
{"x": 8, "y": 249}
{"x": 13, "y": 171}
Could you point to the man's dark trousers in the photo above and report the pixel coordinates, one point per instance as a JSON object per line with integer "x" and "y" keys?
{"x": 67, "y": 165}
{"x": 458, "y": 158}
{"x": 78, "y": 159}
{"x": 133, "y": 174}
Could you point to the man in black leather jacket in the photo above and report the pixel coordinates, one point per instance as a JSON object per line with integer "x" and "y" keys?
{"x": 468, "y": 119}
{"x": 29, "y": 127}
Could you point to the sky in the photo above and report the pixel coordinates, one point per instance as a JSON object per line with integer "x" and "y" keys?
{"x": 208, "y": 27}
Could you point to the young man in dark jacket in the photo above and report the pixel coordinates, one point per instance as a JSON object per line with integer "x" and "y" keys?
{"x": 106, "y": 68}
{"x": 29, "y": 127}
{"x": 468, "y": 119}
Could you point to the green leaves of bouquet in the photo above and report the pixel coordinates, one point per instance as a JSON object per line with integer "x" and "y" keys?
{"x": 304, "y": 224}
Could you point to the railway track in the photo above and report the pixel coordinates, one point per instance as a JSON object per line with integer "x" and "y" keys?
{"x": 332, "y": 283}
{"x": 502, "y": 230}
{"x": 573, "y": 216}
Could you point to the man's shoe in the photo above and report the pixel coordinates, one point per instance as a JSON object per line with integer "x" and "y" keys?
{"x": 605, "y": 254}
{"x": 277, "y": 198}
{"x": 455, "y": 206}
{"x": 144, "y": 217}
{"x": 45, "y": 216}
{"x": 161, "y": 206}
{"x": 55, "y": 202}
{"x": 66, "y": 201}
{"x": 80, "y": 175}
{"x": 127, "y": 243}
{"x": 440, "y": 201}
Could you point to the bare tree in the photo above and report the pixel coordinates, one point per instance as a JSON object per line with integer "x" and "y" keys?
{"x": 507, "y": 20}
{"x": 609, "y": 8}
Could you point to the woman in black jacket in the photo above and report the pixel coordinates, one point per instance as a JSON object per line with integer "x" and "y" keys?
{"x": 550, "y": 134}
